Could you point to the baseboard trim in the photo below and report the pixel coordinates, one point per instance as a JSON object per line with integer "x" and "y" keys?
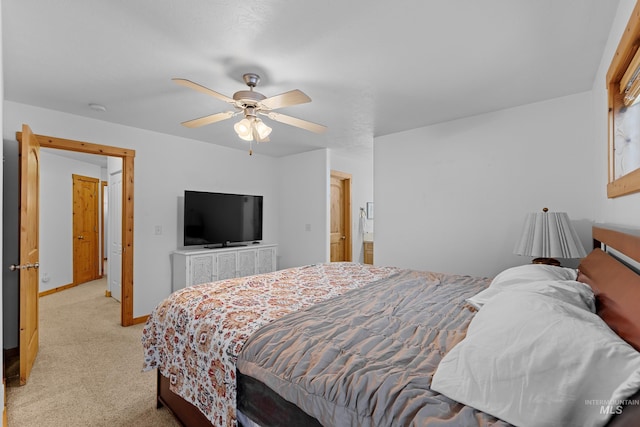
{"x": 58, "y": 289}
{"x": 142, "y": 319}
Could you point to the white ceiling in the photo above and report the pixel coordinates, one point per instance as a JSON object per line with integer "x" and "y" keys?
{"x": 371, "y": 67}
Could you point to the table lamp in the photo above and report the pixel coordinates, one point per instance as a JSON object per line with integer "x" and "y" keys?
{"x": 549, "y": 235}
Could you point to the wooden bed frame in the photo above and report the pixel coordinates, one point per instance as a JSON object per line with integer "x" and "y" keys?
{"x": 623, "y": 240}
{"x": 183, "y": 411}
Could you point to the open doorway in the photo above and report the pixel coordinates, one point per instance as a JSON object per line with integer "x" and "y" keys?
{"x": 340, "y": 232}
{"x": 75, "y": 220}
{"x": 126, "y": 224}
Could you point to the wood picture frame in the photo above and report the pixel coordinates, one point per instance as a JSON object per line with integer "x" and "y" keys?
{"x": 624, "y": 120}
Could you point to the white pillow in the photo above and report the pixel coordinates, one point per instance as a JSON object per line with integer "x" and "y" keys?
{"x": 536, "y": 360}
{"x": 567, "y": 291}
{"x": 521, "y": 274}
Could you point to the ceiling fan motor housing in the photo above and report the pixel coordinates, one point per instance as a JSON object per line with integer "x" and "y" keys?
{"x": 248, "y": 97}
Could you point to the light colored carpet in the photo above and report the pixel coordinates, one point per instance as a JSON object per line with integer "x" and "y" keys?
{"x": 88, "y": 371}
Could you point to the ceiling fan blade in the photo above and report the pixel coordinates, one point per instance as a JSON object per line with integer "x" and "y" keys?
{"x": 293, "y": 97}
{"x": 207, "y": 120}
{"x": 313, "y": 127}
{"x": 205, "y": 90}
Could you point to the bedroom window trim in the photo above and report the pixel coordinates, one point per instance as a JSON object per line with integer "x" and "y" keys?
{"x": 623, "y": 89}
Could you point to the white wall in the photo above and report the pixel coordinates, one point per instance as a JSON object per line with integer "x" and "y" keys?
{"x": 452, "y": 197}
{"x": 303, "y": 180}
{"x": 623, "y": 210}
{"x": 56, "y": 216}
{"x": 358, "y": 163}
{"x": 164, "y": 167}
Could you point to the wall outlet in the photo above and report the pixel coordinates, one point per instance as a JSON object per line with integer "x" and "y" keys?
{"x": 157, "y": 230}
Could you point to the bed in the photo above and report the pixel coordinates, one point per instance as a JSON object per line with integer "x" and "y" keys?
{"x": 353, "y": 344}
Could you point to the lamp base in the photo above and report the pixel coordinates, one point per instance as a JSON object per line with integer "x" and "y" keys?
{"x": 547, "y": 261}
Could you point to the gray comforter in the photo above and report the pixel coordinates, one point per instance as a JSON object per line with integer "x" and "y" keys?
{"x": 367, "y": 358}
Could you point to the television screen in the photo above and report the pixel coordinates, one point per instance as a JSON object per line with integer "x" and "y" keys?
{"x": 221, "y": 219}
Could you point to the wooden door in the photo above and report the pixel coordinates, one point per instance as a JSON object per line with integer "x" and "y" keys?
{"x": 29, "y": 150}
{"x": 340, "y": 231}
{"x": 86, "y": 242}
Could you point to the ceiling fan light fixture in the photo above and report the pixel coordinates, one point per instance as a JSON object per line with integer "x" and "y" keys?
{"x": 262, "y": 129}
{"x": 243, "y": 129}
{"x": 251, "y": 103}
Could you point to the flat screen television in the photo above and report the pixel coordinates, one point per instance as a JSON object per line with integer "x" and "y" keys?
{"x": 221, "y": 219}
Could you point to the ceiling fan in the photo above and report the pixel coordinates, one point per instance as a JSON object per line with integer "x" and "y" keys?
{"x": 250, "y": 104}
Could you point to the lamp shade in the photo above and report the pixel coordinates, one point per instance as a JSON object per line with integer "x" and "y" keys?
{"x": 549, "y": 235}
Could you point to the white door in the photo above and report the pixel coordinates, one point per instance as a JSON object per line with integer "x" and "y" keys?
{"x": 114, "y": 258}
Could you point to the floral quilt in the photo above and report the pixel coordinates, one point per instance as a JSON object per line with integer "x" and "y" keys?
{"x": 195, "y": 335}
